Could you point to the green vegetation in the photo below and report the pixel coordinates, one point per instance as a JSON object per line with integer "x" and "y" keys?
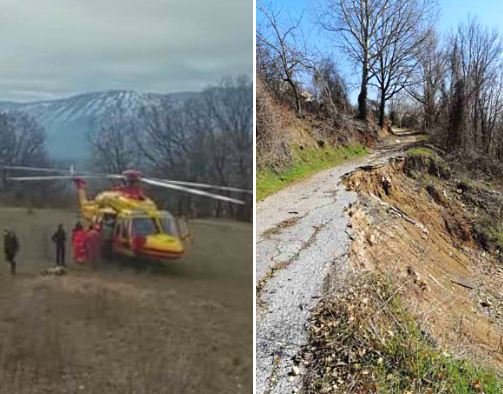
{"x": 420, "y": 151}
{"x": 305, "y": 163}
{"x": 499, "y": 239}
{"x": 496, "y": 237}
{"x": 364, "y": 340}
{"x": 422, "y": 160}
{"x": 423, "y": 138}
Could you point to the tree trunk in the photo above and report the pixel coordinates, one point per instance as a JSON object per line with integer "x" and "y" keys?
{"x": 296, "y": 95}
{"x": 429, "y": 108}
{"x": 457, "y": 118}
{"x": 382, "y": 108}
{"x": 362, "y": 97}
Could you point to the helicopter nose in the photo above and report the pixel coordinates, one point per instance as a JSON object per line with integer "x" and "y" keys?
{"x": 163, "y": 244}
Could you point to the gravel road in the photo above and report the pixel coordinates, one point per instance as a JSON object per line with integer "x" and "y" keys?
{"x": 302, "y": 236}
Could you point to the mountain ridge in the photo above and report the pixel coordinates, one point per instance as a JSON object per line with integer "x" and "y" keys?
{"x": 67, "y": 120}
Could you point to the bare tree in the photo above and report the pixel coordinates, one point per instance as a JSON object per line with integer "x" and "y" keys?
{"x": 357, "y": 23}
{"x": 23, "y": 143}
{"x": 22, "y": 140}
{"x": 332, "y": 88}
{"x": 114, "y": 147}
{"x": 474, "y": 62}
{"x": 229, "y": 107}
{"x": 431, "y": 79}
{"x": 284, "y": 41}
{"x": 206, "y": 138}
{"x": 399, "y": 38}
{"x": 165, "y": 141}
{"x": 491, "y": 116}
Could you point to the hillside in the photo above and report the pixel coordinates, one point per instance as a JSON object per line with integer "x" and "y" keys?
{"x": 290, "y": 148}
{"x": 67, "y": 120}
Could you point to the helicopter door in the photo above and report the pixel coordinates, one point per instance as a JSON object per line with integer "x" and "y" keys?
{"x": 122, "y": 235}
{"x": 183, "y": 229}
{"x": 108, "y": 227}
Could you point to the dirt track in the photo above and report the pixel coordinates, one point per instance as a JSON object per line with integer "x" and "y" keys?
{"x": 301, "y": 239}
{"x": 185, "y": 328}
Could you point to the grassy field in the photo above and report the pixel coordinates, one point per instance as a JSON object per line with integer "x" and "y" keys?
{"x": 180, "y": 328}
{"x": 306, "y": 163}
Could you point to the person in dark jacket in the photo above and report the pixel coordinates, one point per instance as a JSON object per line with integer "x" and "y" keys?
{"x": 59, "y": 239}
{"x": 11, "y": 247}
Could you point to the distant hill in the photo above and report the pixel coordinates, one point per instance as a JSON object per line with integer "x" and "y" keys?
{"x": 67, "y": 120}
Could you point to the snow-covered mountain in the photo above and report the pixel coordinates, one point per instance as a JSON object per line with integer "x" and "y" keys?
{"x": 67, "y": 120}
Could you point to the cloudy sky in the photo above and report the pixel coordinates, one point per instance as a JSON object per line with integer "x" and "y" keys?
{"x": 54, "y": 48}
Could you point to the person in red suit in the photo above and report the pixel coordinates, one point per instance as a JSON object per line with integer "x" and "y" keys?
{"x": 93, "y": 244}
{"x": 79, "y": 244}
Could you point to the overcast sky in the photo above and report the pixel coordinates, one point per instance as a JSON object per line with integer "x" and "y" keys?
{"x": 54, "y": 48}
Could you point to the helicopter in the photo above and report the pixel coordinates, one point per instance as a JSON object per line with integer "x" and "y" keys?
{"x": 129, "y": 222}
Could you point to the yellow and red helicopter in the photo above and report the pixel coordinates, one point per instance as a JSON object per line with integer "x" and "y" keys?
{"x": 129, "y": 222}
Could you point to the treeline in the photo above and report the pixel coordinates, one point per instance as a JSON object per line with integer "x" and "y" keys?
{"x": 206, "y": 138}
{"x": 23, "y": 142}
{"x": 460, "y": 95}
{"x": 448, "y": 85}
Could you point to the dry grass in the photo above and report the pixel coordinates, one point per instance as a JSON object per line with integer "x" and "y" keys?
{"x": 180, "y": 329}
{"x": 363, "y": 341}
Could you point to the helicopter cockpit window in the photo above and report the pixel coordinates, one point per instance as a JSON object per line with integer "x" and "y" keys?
{"x": 144, "y": 226}
{"x": 168, "y": 224}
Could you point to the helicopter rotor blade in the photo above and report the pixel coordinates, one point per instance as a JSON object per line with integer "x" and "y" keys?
{"x": 73, "y": 172}
{"x": 52, "y": 177}
{"x": 35, "y": 169}
{"x": 192, "y": 191}
{"x": 208, "y": 186}
{"x": 70, "y": 171}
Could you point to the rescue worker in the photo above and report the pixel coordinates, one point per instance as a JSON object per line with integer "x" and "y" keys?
{"x": 59, "y": 239}
{"x": 78, "y": 226}
{"x": 79, "y": 243}
{"x": 92, "y": 244}
{"x": 106, "y": 234}
{"x": 11, "y": 247}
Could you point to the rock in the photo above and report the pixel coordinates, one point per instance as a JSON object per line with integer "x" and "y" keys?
{"x": 386, "y": 184}
{"x": 412, "y": 272}
{"x": 423, "y": 285}
{"x": 371, "y": 239}
{"x": 485, "y": 303}
{"x": 53, "y": 271}
{"x": 295, "y": 371}
{"x": 464, "y": 282}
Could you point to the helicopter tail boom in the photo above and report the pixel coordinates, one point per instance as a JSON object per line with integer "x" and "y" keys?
{"x": 81, "y": 191}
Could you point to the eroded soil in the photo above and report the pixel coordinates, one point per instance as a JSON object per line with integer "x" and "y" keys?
{"x": 420, "y": 234}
